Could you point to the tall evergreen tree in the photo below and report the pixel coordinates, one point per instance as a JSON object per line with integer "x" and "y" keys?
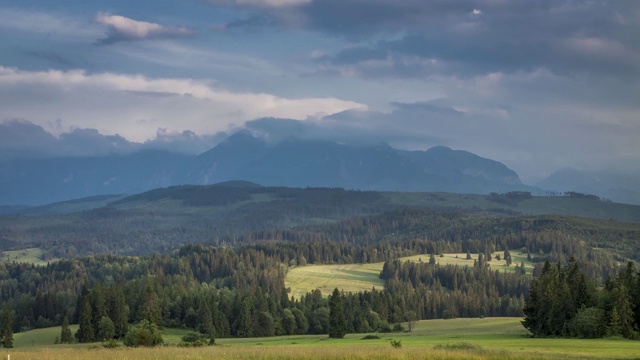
{"x": 337, "y": 323}
{"x": 85, "y": 332}
{"x": 7, "y": 330}
{"x": 65, "y": 332}
{"x": 118, "y": 311}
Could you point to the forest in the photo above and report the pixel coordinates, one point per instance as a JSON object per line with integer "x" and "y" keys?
{"x": 235, "y": 287}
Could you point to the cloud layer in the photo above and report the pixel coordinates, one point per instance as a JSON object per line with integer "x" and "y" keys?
{"x": 135, "y": 106}
{"x": 539, "y": 85}
{"x": 125, "y": 29}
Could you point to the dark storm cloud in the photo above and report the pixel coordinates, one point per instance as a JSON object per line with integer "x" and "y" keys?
{"x": 469, "y": 37}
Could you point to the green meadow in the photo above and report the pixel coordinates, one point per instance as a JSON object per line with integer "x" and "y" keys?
{"x": 364, "y": 277}
{"x": 488, "y": 338}
{"x": 30, "y": 256}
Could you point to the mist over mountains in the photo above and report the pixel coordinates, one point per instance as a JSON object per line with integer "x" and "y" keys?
{"x": 291, "y": 162}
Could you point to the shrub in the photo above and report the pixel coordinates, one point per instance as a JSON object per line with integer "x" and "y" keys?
{"x": 111, "y": 344}
{"x": 196, "y": 339}
{"x": 396, "y": 343}
{"x": 144, "y": 334}
{"x": 398, "y": 328}
{"x": 384, "y": 327}
{"x": 371, "y": 337}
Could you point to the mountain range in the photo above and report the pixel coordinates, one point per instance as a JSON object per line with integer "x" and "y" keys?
{"x": 291, "y": 162}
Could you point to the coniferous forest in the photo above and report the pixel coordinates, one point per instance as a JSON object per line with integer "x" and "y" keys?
{"x": 584, "y": 283}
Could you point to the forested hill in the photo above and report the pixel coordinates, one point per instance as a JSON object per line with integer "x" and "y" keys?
{"x": 237, "y": 213}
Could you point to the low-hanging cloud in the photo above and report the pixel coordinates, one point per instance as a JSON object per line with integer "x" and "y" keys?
{"x": 126, "y": 29}
{"x": 135, "y": 106}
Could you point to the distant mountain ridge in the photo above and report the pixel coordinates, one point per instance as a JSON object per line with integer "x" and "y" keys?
{"x": 615, "y": 186}
{"x": 291, "y": 162}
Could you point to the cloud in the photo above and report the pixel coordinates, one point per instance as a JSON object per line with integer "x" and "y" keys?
{"x": 23, "y": 139}
{"x": 469, "y": 37}
{"x": 260, "y": 3}
{"x": 185, "y": 142}
{"x": 407, "y": 126}
{"x": 125, "y": 29}
{"x": 135, "y": 106}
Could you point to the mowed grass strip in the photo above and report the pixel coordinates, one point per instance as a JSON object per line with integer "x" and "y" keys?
{"x": 364, "y": 277}
{"x": 488, "y": 338}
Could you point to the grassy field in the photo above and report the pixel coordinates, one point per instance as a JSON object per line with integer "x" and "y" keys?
{"x": 489, "y": 338}
{"x": 361, "y": 277}
{"x": 30, "y": 256}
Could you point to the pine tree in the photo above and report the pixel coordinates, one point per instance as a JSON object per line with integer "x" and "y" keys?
{"x": 65, "y": 333}
{"x": 85, "y": 332}
{"x": 118, "y": 311}
{"x": 624, "y": 314}
{"x": 7, "y": 330}
{"x": 337, "y": 322}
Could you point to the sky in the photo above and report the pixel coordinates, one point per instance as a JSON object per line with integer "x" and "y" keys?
{"x": 539, "y": 85}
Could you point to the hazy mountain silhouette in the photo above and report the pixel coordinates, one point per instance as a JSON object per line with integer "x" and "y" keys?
{"x": 291, "y": 162}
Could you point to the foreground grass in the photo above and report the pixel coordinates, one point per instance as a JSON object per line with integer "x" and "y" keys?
{"x": 364, "y": 277}
{"x": 489, "y": 338}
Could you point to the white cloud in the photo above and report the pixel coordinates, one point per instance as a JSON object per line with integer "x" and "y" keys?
{"x": 135, "y": 106}
{"x": 262, "y": 3}
{"x": 124, "y": 28}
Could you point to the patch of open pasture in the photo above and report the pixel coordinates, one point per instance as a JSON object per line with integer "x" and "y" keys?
{"x": 460, "y": 259}
{"x": 41, "y": 338}
{"x": 347, "y": 277}
{"x": 29, "y": 256}
{"x": 364, "y": 277}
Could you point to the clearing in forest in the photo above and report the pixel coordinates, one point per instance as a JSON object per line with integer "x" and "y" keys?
{"x": 364, "y": 277}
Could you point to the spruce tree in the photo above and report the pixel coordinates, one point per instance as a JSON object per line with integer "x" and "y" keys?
{"x": 337, "y": 323}
{"x": 118, "y": 311}
{"x": 65, "y": 333}
{"x": 85, "y": 332}
{"x": 7, "y": 330}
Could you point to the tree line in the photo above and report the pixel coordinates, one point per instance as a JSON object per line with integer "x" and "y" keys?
{"x": 563, "y": 302}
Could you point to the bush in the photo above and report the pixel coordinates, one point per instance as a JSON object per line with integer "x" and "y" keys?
{"x": 396, "y": 343}
{"x": 371, "y": 337}
{"x": 143, "y": 334}
{"x": 384, "y": 327}
{"x": 398, "y": 328}
{"x": 111, "y": 344}
{"x": 196, "y": 339}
